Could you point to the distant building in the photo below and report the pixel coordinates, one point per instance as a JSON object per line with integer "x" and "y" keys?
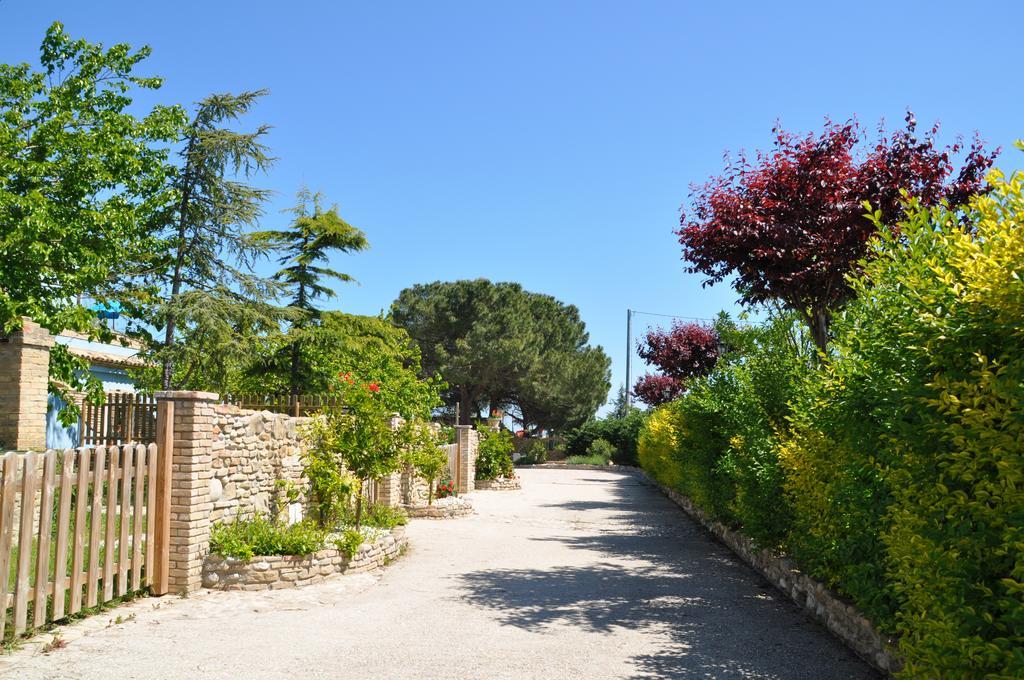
{"x": 108, "y": 362}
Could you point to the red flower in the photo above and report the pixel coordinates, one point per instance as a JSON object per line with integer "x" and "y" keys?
{"x": 373, "y": 387}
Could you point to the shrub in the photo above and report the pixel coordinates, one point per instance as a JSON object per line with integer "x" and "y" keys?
{"x": 601, "y": 448}
{"x": 446, "y": 488}
{"x": 621, "y": 431}
{"x": 385, "y": 516}
{"x": 534, "y": 452}
{"x": 587, "y": 460}
{"x": 424, "y": 453}
{"x": 246, "y": 538}
{"x": 906, "y": 466}
{"x": 494, "y": 456}
{"x": 348, "y": 543}
{"x": 657, "y": 446}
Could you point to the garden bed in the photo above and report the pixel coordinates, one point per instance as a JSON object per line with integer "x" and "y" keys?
{"x": 443, "y": 508}
{"x": 274, "y": 572}
{"x": 499, "y": 484}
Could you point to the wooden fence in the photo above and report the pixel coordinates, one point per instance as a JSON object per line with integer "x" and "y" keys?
{"x": 454, "y": 470}
{"x": 122, "y": 418}
{"x": 81, "y": 527}
{"x": 301, "y": 405}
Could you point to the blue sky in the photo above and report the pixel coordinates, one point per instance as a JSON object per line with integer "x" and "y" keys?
{"x": 550, "y": 143}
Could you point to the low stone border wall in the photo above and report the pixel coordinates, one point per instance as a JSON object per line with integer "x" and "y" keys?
{"x": 842, "y": 619}
{"x": 566, "y": 466}
{"x": 274, "y": 572}
{"x": 500, "y": 484}
{"x": 440, "y": 510}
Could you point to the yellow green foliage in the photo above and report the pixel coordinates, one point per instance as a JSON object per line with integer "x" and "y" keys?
{"x": 895, "y": 471}
{"x": 956, "y": 541}
{"x": 905, "y": 467}
{"x": 657, "y": 445}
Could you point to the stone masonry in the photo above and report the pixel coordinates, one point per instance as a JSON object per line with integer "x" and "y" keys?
{"x": 191, "y": 471}
{"x": 251, "y": 452}
{"x": 467, "y": 439}
{"x": 24, "y": 378}
{"x": 294, "y": 571}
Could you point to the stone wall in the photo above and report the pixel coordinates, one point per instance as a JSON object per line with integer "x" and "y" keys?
{"x": 841, "y": 618}
{"x": 501, "y": 484}
{"x": 251, "y": 451}
{"x": 468, "y": 440}
{"x": 442, "y": 508}
{"x": 295, "y": 571}
{"x": 24, "y": 387}
{"x": 414, "y": 490}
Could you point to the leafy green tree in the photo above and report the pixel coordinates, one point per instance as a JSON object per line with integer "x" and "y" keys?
{"x": 209, "y": 252}
{"x": 306, "y": 247}
{"x": 424, "y": 454}
{"x": 82, "y": 179}
{"x": 498, "y": 345}
{"x": 339, "y": 343}
{"x": 216, "y": 340}
{"x": 494, "y": 456}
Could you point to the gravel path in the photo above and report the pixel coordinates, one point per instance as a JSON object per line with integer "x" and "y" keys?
{"x": 582, "y": 574}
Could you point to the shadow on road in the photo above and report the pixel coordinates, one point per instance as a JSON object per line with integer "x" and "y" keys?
{"x": 656, "y": 571}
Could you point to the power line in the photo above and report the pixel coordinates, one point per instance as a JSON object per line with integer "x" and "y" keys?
{"x": 629, "y": 341}
{"x": 674, "y": 316}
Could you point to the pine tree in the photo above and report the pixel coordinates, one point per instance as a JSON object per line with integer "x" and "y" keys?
{"x": 208, "y": 247}
{"x": 306, "y": 246}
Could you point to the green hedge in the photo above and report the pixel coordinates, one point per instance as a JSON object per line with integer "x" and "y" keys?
{"x": 895, "y": 472}
{"x": 620, "y": 431}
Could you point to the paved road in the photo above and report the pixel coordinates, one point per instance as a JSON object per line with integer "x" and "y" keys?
{"x": 583, "y": 574}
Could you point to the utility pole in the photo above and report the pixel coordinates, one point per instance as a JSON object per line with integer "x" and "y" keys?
{"x": 629, "y": 353}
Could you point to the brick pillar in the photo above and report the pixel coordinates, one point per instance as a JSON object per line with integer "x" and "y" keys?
{"x": 467, "y": 439}
{"x": 389, "y": 489}
{"x": 24, "y": 379}
{"x": 191, "y": 472}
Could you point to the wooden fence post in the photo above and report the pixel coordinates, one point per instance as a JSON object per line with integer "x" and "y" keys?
{"x": 162, "y": 515}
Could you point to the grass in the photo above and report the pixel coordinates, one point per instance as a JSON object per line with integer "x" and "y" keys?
{"x": 132, "y": 591}
{"x": 592, "y": 459}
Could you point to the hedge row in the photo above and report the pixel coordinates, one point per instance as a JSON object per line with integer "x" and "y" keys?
{"x": 893, "y": 469}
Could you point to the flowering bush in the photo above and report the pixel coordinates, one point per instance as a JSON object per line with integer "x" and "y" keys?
{"x": 446, "y": 489}
{"x": 494, "y": 457}
{"x": 358, "y": 438}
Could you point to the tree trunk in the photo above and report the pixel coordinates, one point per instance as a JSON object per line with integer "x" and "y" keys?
{"x": 430, "y": 492}
{"x": 819, "y": 320}
{"x": 465, "y": 406}
{"x": 359, "y": 505}
{"x": 179, "y": 264}
{"x": 293, "y": 378}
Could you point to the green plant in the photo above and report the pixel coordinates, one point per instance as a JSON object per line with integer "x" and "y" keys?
{"x": 384, "y": 516}
{"x": 446, "y": 487}
{"x": 331, "y": 486}
{"x": 246, "y": 538}
{"x": 535, "y": 452}
{"x": 717, "y": 444}
{"x": 349, "y": 542}
{"x": 55, "y": 643}
{"x": 360, "y": 438}
{"x": 907, "y": 471}
{"x": 494, "y": 455}
{"x": 601, "y": 448}
{"x": 620, "y": 429}
{"x": 424, "y": 454}
{"x": 286, "y": 492}
{"x": 594, "y": 459}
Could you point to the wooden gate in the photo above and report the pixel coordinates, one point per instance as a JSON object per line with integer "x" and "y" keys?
{"x": 81, "y": 527}
{"x": 454, "y": 469}
{"x": 121, "y": 418}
